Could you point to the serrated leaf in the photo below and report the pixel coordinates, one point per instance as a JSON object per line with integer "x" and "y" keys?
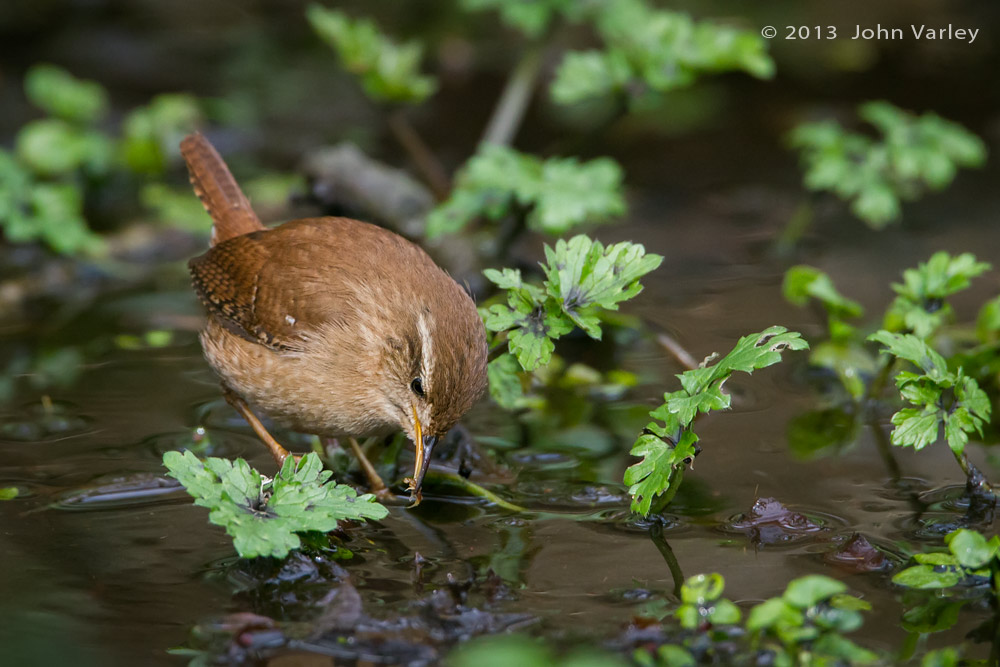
{"x": 650, "y": 477}
{"x": 261, "y": 516}
{"x": 915, "y": 428}
{"x": 583, "y": 275}
{"x": 585, "y": 75}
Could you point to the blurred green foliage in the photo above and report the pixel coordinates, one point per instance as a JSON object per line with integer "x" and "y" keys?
{"x": 912, "y": 154}
{"x": 803, "y": 626}
{"x": 389, "y": 72}
{"x": 650, "y": 51}
{"x": 947, "y": 395}
{"x": 59, "y": 160}
{"x": 667, "y": 448}
{"x": 553, "y": 196}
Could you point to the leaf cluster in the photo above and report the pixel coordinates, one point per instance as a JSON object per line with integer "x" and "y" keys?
{"x": 805, "y": 625}
{"x": 265, "y": 516}
{"x": 649, "y": 51}
{"x": 388, "y": 71}
{"x": 912, "y": 154}
{"x": 669, "y": 444}
{"x": 943, "y": 397}
{"x": 583, "y": 279}
{"x": 553, "y": 195}
{"x": 969, "y": 560}
{"x": 921, "y": 305}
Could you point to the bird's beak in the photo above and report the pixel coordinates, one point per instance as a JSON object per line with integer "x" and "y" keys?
{"x": 425, "y": 446}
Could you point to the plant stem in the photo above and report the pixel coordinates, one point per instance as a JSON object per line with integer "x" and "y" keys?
{"x": 427, "y": 163}
{"x": 499, "y": 346}
{"x": 878, "y": 384}
{"x": 472, "y": 488}
{"x": 673, "y": 483}
{"x": 977, "y": 486}
{"x": 514, "y": 100}
{"x": 656, "y": 535}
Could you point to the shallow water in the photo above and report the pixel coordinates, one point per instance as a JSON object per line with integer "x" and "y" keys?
{"x": 99, "y": 573}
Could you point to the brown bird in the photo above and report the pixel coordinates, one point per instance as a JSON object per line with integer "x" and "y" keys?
{"x": 331, "y": 326}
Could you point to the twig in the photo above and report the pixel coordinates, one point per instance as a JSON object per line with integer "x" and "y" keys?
{"x": 514, "y": 100}
{"x": 428, "y": 165}
{"x": 677, "y": 351}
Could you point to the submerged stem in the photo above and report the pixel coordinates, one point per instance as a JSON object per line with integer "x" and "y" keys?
{"x": 472, "y": 488}
{"x": 656, "y": 535}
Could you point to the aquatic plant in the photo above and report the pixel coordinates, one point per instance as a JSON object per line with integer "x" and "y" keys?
{"x": 912, "y": 155}
{"x": 667, "y": 446}
{"x": 265, "y": 516}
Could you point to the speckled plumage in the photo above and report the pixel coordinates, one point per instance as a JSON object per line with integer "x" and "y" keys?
{"x": 322, "y": 324}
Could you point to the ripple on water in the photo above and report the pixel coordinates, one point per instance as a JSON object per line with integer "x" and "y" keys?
{"x": 770, "y": 523}
{"x": 116, "y": 491}
{"x": 43, "y": 421}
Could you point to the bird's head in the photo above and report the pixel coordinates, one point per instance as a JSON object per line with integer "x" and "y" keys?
{"x": 434, "y": 370}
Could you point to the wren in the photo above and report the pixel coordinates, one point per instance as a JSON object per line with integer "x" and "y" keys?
{"x": 331, "y": 326}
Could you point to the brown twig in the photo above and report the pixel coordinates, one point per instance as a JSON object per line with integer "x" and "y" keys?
{"x": 514, "y": 100}
{"x": 426, "y": 162}
{"x": 677, "y": 351}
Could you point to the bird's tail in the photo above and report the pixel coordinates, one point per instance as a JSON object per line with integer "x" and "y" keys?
{"x": 218, "y": 190}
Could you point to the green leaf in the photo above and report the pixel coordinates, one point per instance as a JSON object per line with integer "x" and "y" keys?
{"x": 583, "y": 275}
{"x": 9, "y": 492}
{"x": 59, "y": 93}
{"x": 388, "y": 72}
{"x": 671, "y": 655}
{"x": 702, "y": 392}
{"x": 264, "y": 516}
{"x": 571, "y": 193}
{"x": 531, "y": 17}
{"x": 555, "y": 195}
{"x": 943, "y": 657}
{"x": 913, "y": 349}
{"x": 804, "y": 282}
{"x": 651, "y": 476}
{"x": 505, "y": 381}
{"x": 916, "y": 428}
{"x": 585, "y": 75}
{"x": 971, "y": 548}
{"x": 153, "y": 132}
{"x": 914, "y": 153}
{"x": 921, "y": 305}
{"x": 773, "y": 613}
{"x": 927, "y": 576}
{"x": 835, "y": 646}
{"x": 703, "y": 589}
{"x": 810, "y": 590}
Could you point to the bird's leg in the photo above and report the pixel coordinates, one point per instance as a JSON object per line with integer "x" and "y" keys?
{"x": 375, "y": 483}
{"x": 277, "y": 451}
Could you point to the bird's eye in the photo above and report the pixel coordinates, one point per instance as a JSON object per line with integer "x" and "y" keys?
{"x": 417, "y": 386}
